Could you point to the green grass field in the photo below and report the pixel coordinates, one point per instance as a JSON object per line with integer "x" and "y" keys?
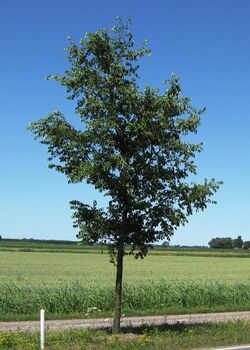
{"x": 47, "y": 269}
{"x": 68, "y": 284}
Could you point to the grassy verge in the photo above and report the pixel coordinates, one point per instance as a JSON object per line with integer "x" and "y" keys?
{"x": 127, "y": 313}
{"x": 166, "y": 337}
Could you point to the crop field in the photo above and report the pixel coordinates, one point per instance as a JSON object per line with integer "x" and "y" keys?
{"x": 69, "y": 284}
{"x": 48, "y": 269}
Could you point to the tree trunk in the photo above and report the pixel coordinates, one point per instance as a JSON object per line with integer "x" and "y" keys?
{"x": 118, "y": 291}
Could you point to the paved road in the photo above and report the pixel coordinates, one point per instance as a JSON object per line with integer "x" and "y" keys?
{"x": 240, "y": 347}
{"x": 128, "y": 321}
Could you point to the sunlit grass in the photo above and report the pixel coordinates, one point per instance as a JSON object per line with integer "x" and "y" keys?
{"x": 45, "y": 269}
{"x": 165, "y": 337}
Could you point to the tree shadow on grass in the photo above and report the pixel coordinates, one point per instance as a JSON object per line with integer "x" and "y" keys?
{"x": 173, "y": 328}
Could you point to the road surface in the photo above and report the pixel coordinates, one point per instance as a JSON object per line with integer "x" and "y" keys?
{"x": 240, "y": 347}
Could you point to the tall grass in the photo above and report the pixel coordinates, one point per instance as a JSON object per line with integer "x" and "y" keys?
{"x": 78, "y": 298}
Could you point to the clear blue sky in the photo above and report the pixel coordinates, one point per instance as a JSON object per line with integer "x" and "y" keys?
{"x": 205, "y": 42}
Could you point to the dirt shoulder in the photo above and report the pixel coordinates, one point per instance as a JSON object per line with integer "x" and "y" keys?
{"x": 99, "y": 323}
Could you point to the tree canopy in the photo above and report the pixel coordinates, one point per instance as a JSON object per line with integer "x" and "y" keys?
{"x": 227, "y": 243}
{"x": 132, "y": 145}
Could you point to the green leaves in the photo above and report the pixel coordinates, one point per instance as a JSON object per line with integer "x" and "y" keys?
{"x": 66, "y": 145}
{"x": 132, "y": 146}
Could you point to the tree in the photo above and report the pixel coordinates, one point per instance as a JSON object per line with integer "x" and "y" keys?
{"x": 165, "y": 244}
{"x": 238, "y": 242}
{"x": 226, "y": 243}
{"x": 221, "y": 243}
{"x": 246, "y": 245}
{"x": 132, "y": 147}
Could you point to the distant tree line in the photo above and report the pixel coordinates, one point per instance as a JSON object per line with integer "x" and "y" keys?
{"x": 33, "y": 240}
{"x": 228, "y": 243}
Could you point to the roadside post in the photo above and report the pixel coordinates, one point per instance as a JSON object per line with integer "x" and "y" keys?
{"x": 42, "y": 328}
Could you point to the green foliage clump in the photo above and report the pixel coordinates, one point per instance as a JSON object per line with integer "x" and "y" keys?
{"x": 17, "y": 341}
{"x": 227, "y": 243}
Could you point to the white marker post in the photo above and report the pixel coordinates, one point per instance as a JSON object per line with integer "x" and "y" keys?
{"x": 42, "y": 328}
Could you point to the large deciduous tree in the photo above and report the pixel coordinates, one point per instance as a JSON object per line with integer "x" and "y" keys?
{"x": 132, "y": 147}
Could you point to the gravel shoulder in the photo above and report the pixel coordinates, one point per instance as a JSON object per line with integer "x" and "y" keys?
{"x": 101, "y": 323}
